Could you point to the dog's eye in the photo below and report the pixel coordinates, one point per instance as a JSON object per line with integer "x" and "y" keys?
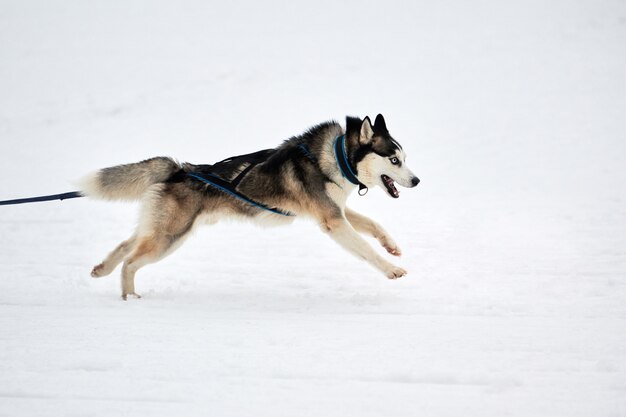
{"x": 395, "y": 160}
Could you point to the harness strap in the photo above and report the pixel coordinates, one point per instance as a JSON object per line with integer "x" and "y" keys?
{"x": 307, "y": 152}
{"x": 344, "y": 164}
{"x": 235, "y": 182}
{"x": 228, "y": 188}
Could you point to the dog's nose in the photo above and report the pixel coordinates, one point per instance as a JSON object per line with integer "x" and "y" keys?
{"x": 415, "y": 181}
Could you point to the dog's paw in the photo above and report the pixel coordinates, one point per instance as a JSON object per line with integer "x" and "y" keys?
{"x": 390, "y": 246}
{"x": 395, "y": 272}
{"x": 98, "y": 271}
{"x": 134, "y": 294}
{"x": 394, "y": 250}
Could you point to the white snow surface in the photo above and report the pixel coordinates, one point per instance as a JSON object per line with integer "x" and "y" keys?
{"x": 513, "y": 115}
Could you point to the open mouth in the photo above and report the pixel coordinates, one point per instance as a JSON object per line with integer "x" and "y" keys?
{"x": 389, "y": 185}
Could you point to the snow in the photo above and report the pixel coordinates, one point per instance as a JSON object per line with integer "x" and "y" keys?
{"x": 512, "y": 114}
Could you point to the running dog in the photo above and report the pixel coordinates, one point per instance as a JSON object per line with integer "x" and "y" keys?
{"x": 310, "y": 175}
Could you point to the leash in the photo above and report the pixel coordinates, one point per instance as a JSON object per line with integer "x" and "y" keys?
{"x": 63, "y": 196}
{"x": 344, "y": 165}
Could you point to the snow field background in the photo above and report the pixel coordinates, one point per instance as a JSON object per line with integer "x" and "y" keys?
{"x": 512, "y": 114}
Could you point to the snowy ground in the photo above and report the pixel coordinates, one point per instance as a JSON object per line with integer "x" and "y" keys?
{"x": 513, "y": 117}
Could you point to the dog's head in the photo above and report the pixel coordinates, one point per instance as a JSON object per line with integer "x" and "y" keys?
{"x": 378, "y": 158}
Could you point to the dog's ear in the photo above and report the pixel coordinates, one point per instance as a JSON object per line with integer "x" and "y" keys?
{"x": 366, "y": 131}
{"x": 379, "y": 124}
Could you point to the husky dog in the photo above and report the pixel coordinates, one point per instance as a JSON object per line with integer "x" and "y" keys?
{"x": 309, "y": 175}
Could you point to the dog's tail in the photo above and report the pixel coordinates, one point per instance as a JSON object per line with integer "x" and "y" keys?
{"x": 129, "y": 181}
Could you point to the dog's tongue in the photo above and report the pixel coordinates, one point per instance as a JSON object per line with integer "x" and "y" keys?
{"x": 391, "y": 186}
{"x": 395, "y": 191}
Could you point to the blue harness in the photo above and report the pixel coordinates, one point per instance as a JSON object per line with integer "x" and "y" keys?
{"x": 228, "y": 188}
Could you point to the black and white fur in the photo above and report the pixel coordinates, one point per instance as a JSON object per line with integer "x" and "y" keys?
{"x": 305, "y": 183}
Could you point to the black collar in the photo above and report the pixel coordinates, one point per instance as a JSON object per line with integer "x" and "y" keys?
{"x": 344, "y": 164}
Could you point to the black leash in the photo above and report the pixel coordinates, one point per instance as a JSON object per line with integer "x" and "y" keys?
{"x": 63, "y": 196}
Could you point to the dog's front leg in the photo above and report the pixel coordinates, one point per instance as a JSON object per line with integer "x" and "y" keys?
{"x": 364, "y": 224}
{"x": 343, "y": 233}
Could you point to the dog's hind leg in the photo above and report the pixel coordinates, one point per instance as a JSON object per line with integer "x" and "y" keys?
{"x": 366, "y": 225}
{"x": 167, "y": 219}
{"x": 149, "y": 249}
{"x": 113, "y": 259}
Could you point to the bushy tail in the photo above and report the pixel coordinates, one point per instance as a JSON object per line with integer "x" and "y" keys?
{"x": 129, "y": 181}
